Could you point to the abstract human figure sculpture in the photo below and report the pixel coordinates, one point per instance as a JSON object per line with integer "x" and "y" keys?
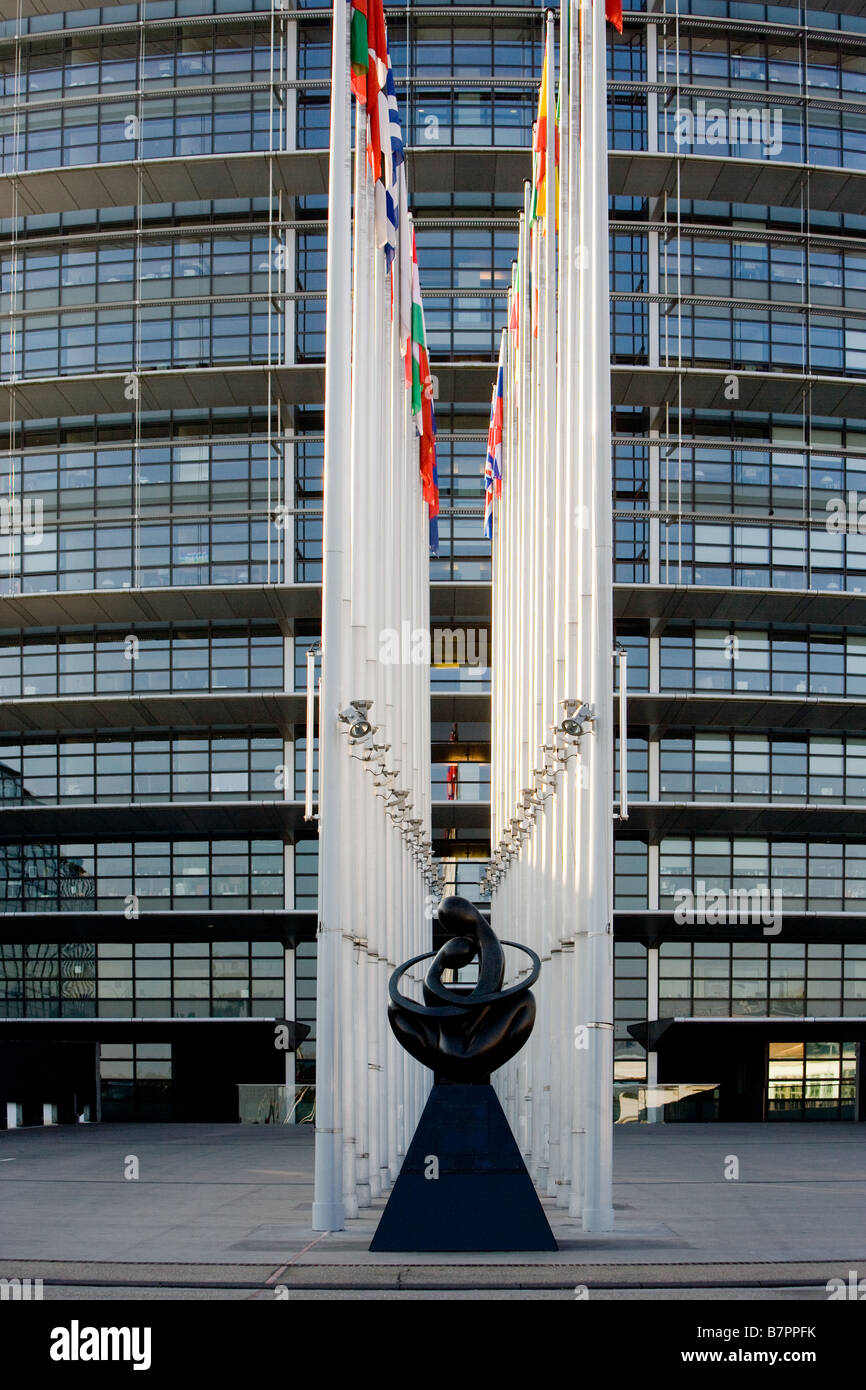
{"x": 463, "y": 1184}
{"x": 464, "y": 1036}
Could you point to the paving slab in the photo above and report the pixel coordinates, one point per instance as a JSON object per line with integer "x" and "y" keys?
{"x": 229, "y": 1206}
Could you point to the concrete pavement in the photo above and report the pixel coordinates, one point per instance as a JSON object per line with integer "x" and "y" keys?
{"x": 227, "y": 1207}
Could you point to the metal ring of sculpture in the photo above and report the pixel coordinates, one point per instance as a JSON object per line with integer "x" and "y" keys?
{"x": 457, "y": 1003}
{"x": 463, "y": 1036}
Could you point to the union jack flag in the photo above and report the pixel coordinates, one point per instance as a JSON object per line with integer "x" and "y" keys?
{"x": 493, "y": 466}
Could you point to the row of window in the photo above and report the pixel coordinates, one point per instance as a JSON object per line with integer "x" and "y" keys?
{"x": 144, "y": 876}
{"x": 36, "y": 558}
{"x": 760, "y": 270}
{"x": 147, "y": 339}
{"x": 431, "y": 31}
{"x": 725, "y": 128}
{"x": 783, "y": 480}
{"x": 751, "y": 339}
{"x": 221, "y": 979}
{"x": 204, "y": 658}
{"x": 763, "y": 64}
{"x": 236, "y": 263}
{"x": 459, "y": 327}
{"x": 462, "y": 258}
{"x": 154, "y": 10}
{"x": 237, "y": 122}
{"x": 174, "y": 471}
{"x": 780, "y": 661}
{"x": 117, "y": 132}
{"x": 81, "y": 64}
{"x": 761, "y": 557}
{"x": 812, "y": 1080}
{"x": 187, "y": 552}
{"x": 754, "y": 767}
{"x": 183, "y": 767}
{"x": 758, "y": 11}
{"x": 819, "y": 876}
{"x": 725, "y": 979}
{"x": 717, "y": 128}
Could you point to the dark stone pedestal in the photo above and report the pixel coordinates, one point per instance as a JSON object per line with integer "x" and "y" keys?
{"x": 483, "y": 1198}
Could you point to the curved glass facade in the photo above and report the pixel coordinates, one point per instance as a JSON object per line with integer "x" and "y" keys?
{"x": 162, "y": 291}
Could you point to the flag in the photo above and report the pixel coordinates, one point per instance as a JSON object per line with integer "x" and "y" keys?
{"x": 419, "y": 377}
{"x": 538, "y": 206}
{"x": 488, "y": 474}
{"x": 451, "y": 775}
{"x": 613, "y": 13}
{"x": 493, "y": 466}
{"x": 394, "y": 184}
{"x": 433, "y": 508}
{"x": 358, "y": 49}
{"x": 376, "y": 76}
{"x": 514, "y": 316}
{"x": 373, "y": 84}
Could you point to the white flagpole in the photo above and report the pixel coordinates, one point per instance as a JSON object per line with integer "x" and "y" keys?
{"x": 598, "y": 1199}
{"x": 543, "y": 831}
{"x": 354, "y": 926}
{"x": 328, "y": 1210}
{"x": 565, "y": 902}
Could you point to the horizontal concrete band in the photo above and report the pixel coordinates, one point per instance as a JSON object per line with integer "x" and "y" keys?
{"x": 304, "y": 173}
{"x": 207, "y": 388}
{"x": 195, "y": 819}
{"x": 651, "y": 603}
{"x": 665, "y": 603}
{"x": 289, "y": 927}
{"x": 687, "y": 818}
{"x": 281, "y": 710}
{"x": 278, "y": 818}
{"x": 755, "y": 712}
{"x": 207, "y": 602}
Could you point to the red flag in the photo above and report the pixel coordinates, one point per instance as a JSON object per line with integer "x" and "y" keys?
{"x": 613, "y": 13}
{"x": 377, "y": 73}
{"x": 451, "y": 775}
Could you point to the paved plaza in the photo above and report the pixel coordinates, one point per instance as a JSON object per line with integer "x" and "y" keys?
{"x": 224, "y": 1211}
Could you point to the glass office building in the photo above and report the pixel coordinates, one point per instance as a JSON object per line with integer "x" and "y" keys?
{"x": 163, "y": 228}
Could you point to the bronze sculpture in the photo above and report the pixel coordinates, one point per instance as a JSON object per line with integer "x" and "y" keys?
{"x": 464, "y": 1036}
{"x": 463, "y": 1184}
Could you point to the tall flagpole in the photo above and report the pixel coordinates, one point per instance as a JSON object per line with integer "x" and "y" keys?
{"x": 597, "y": 1194}
{"x": 328, "y": 1212}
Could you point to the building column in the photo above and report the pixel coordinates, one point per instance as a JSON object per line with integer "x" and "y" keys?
{"x": 289, "y": 1014}
{"x": 655, "y": 1113}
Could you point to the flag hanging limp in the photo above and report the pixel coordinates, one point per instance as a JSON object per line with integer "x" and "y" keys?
{"x": 372, "y": 81}
{"x": 538, "y": 205}
{"x": 493, "y": 466}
